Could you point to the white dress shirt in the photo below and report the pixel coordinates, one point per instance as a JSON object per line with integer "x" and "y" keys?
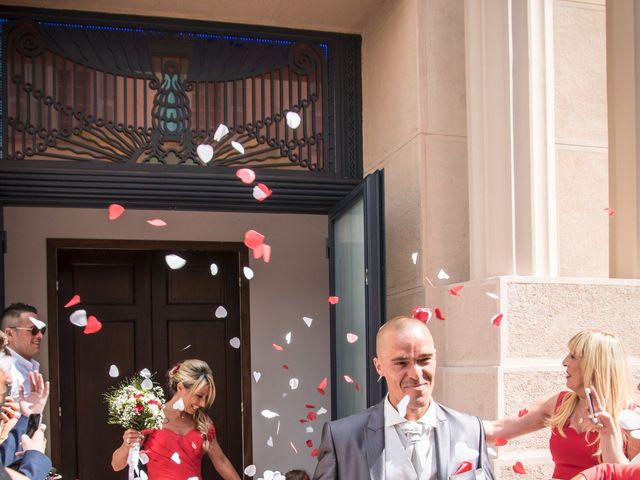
{"x": 398, "y": 450}
{"x": 20, "y": 372}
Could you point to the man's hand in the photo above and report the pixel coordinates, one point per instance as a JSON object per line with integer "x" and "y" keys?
{"x": 38, "y": 395}
{"x": 36, "y": 442}
{"x": 8, "y": 417}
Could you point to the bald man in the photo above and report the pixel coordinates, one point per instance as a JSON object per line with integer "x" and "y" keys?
{"x": 407, "y": 436}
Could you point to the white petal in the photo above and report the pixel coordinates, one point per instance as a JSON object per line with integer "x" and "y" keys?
{"x": 176, "y": 457}
{"x": 269, "y": 414}
{"x": 238, "y": 147}
{"x": 278, "y": 428}
{"x": 464, "y": 453}
{"x": 145, "y": 373}
{"x": 293, "y": 383}
{"x": 268, "y": 474}
{"x": 250, "y": 471}
{"x": 629, "y": 420}
{"x": 635, "y": 434}
{"x": 147, "y": 384}
{"x": 293, "y": 119}
{"x": 248, "y": 273}
{"x": 214, "y": 269}
{"x": 205, "y": 152}
{"x": 179, "y": 404}
{"x": 256, "y": 376}
{"x": 493, "y": 295}
{"x": 308, "y": 321}
{"x": 309, "y": 429}
{"x": 175, "y": 261}
{"x": 442, "y": 275}
{"x": 37, "y": 323}
{"x": 221, "y": 312}
{"x": 269, "y": 444}
{"x": 321, "y": 411}
{"x": 79, "y": 318}
{"x": 235, "y": 342}
{"x": 414, "y": 257}
{"x": 287, "y": 337}
{"x": 221, "y": 131}
{"x": 402, "y": 405}
{"x": 492, "y": 452}
{"x": 113, "y": 371}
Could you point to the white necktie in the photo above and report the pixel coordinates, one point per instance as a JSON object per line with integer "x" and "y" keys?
{"x": 413, "y": 432}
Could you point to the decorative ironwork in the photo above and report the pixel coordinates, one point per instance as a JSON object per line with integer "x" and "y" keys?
{"x": 141, "y": 96}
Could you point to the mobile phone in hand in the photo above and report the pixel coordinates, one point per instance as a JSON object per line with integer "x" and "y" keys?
{"x": 592, "y": 410}
{"x": 33, "y": 423}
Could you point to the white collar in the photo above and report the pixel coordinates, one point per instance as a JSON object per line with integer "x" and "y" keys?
{"x": 392, "y": 417}
{"x": 23, "y": 362}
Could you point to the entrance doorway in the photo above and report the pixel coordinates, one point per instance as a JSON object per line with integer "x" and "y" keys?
{"x": 152, "y": 317}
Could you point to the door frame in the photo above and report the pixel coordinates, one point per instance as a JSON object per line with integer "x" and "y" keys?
{"x": 55, "y": 244}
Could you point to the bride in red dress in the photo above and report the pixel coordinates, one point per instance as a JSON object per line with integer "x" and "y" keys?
{"x": 176, "y": 450}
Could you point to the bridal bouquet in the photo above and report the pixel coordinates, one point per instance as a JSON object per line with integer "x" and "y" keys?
{"x": 136, "y": 403}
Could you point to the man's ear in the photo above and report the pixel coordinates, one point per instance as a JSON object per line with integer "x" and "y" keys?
{"x": 378, "y": 365}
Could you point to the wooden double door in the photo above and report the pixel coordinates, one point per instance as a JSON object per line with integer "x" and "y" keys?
{"x": 152, "y": 317}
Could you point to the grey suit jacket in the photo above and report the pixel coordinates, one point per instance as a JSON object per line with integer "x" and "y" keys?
{"x": 352, "y": 448}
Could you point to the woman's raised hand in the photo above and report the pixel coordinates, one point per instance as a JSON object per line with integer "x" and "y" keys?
{"x": 132, "y": 437}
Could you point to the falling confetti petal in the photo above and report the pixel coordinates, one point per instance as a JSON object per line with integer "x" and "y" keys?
{"x": 629, "y": 420}
{"x": 293, "y": 383}
{"x": 322, "y": 386}
{"x": 293, "y": 120}
{"x": 37, "y": 323}
{"x": 308, "y": 321}
{"x": 357, "y": 387}
{"x": 79, "y": 318}
{"x": 321, "y": 411}
{"x": 309, "y": 443}
{"x": 115, "y": 211}
{"x": 205, "y": 153}
{"x": 145, "y": 373}
{"x": 314, "y": 453}
{"x": 348, "y": 379}
{"x": 214, "y": 269}
{"x": 114, "y": 372}
{"x": 252, "y": 238}
{"x": 239, "y": 148}
{"x": 309, "y": 429}
{"x": 261, "y": 192}
{"x": 287, "y": 337}
{"x": 311, "y": 416}
{"x": 333, "y": 300}
{"x": 93, "y": 325}
{"x": 423, "y": 314}
{"x": 464, "y": 467}
{"x": 293, "y": 447}
{"x": 248, "y": 273}
{"x": 496, "y": 319}
{"x": 250, "y": 471}
{"x": 464, "y": 452}
{"x": 256, "y": 376}
{"x": 492, "y": 295}
{"x": 266, "y": 255}
{"x": 185, "y": 348}
{"x": 635, "y": 434}
{"x": 492, "y": 452}
{"x": 439, "y": 314}
{"x": 175, "y": 261}
{"x": 523, "y": 412}
{"x": 270, "y": 442}
{"x": 221, "y": 312}
{"x": 278, "y": 428}
{"x": 285, "y": 366}
{"x": 235, "y": 342}
{"x": 179, "y": 404}
{"x": 246, "y": 175}
{"x": 402, "y": 405}
{"x": 156, "y": 222}
{"x": 221, "y": 131}
{"x": 442, "y": 275}
{"x": 454, "y": 290}
{"x": 414, "y": 257}
{"x": 610, "y": 211}
{"x": 175, "y": 457}
{"x": 147, "y": 384}
{"x": 500, "y": 442}
{"x": 269, "y": 414}
{"x": 519, "y": 468}
{"x": 352, "y": 337}
{"x": 277, "y": 347}
{"x": 309, "y": 405}
{"x": 74, "y": 301}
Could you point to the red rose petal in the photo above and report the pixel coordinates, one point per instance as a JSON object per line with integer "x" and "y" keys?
{"x": 500, "y": 442}
{"x": 285, "y": 366}
{"x": 322, "y": 386}
{"x": 258, "y": 251}
{"x": 303, "y": 420}
{"x": 157, "y": 222}
{"x": 496, "y": 319}
{"x": 357, "y": 386}
{"x": 74, "y": 301}
{"x": 266, "y": 253}
{"x": 252, "y": 238}
{"x": 115, "y": 211}
{"x": 309, "y": 443}
{"x": 308, "y": 405}
{"x": 93, "y": 325}
{"x": 454, "y": 290}
{"x": 261, "y": 192}
{"x": 439, "y": 314}
{"x": 312, "y": 416}
{"x": 523, "y": 412}
{"x": 333, "y": 300}
{"x": 610, "y": 211}
{"x": 464, "y": 467}
{"x": 246, "y": 175}
{"x": 314, "y": 453}
{"x": 277, "y": 347}
{"x": 519, "y": 468}
{"x": 423, "y": 314}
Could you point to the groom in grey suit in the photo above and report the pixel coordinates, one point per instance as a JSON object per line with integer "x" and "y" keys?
{"x": 407, "y": 436}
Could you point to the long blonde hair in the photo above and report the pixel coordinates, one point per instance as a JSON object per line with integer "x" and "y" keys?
{"x": 604, "y": 365}
{"x": 194, "y": 375}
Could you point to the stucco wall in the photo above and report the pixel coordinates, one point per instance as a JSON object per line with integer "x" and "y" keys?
{"x": 294, "y": 284}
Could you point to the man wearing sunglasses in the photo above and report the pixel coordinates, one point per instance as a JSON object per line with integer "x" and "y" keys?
{"x": 25, "y": 332}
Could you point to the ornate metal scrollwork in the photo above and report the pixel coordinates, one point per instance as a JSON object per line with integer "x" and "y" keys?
{"x": 28, "y": 39}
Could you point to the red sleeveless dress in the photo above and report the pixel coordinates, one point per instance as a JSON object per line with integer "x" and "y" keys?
{"x": 174, "y": 456}
{"x": 574, "y": 452}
